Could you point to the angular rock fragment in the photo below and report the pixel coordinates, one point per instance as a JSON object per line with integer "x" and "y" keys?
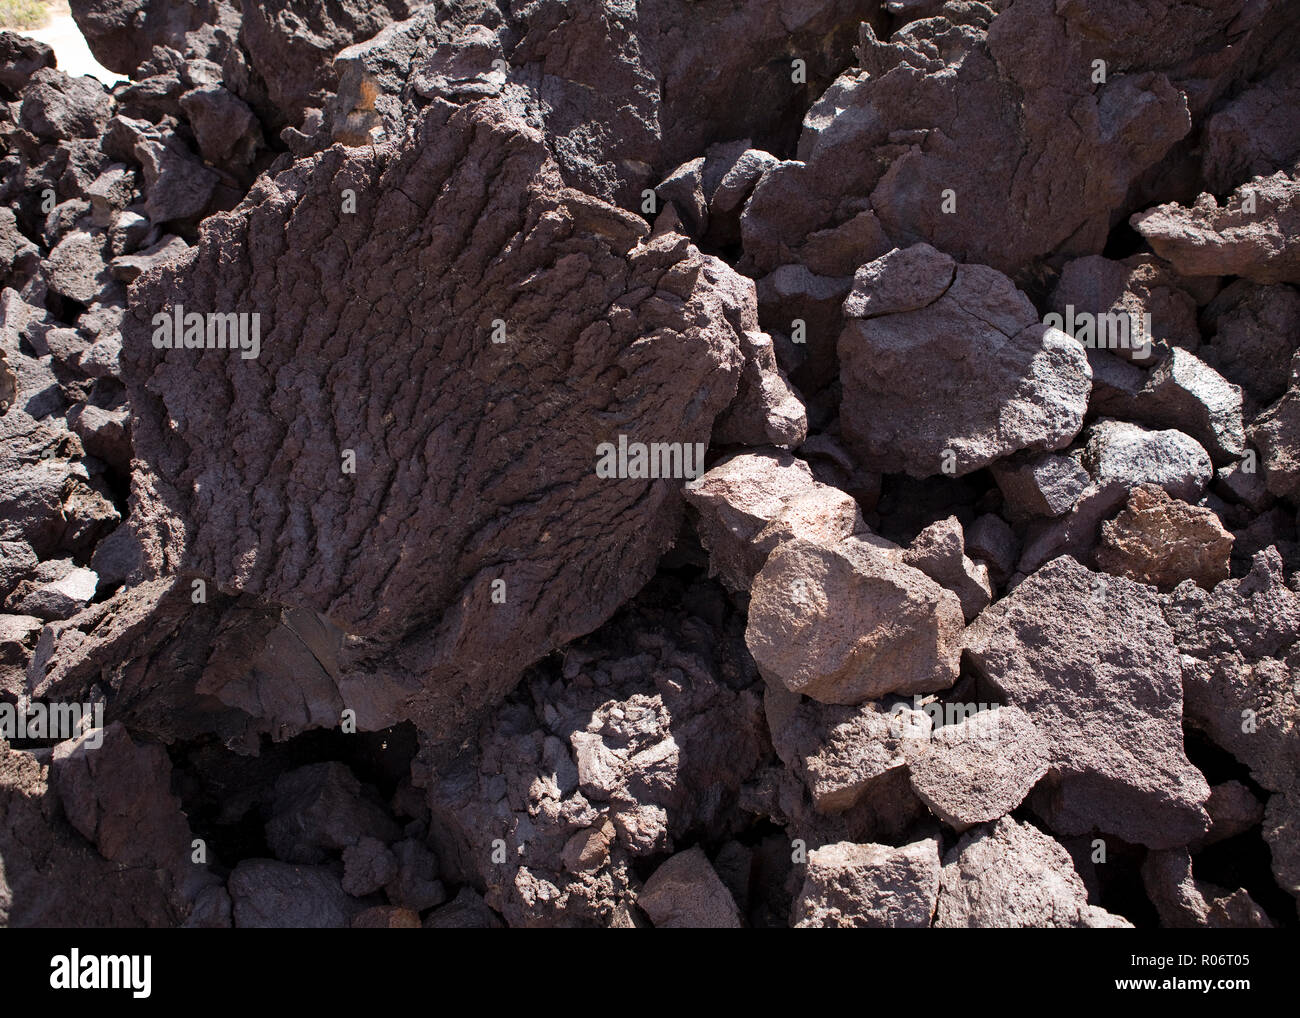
{"x": 1187, "y": 903}
{"x": 56, "y": 589}
{"x": 1276, "y": 432}
{"x": 1162, "y": 541}
{"x": 849, "y": 886}
{"x": 1254, "y": 134}
{"x": 1011, "y": 874}
{"x": 844, "y": 754}
{"x": 1134, "y": 455}
{"x": 1125, "y": 307}
{"x": 49, "y": 867}
{"x": 685, "y": 893}
{"x": 1233, "y": 809}
{"x": 964, "y": 380}
{"x": 1253, "y": 235}
{"x": 1047, "y": 484}
{"x": 122, "y": 33}
{"x": 979, "y": 769}
{"x": 992, "y": 541}
{"x": 939, "y": 551}
{"x": 18, "y": 635}
{"x": 1091, "y": 660}
{"x": 1184, "y": 392}
{"x": 367, "y": 866}
{"x": 466, "y": 911}
{"x": 850, "y": 622}
{"x": 751, "y": 502}
{"x": 20, "y": 58}
{"x": 1254, "y": 337}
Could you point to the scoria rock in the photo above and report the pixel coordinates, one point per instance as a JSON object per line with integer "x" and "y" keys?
{"x": 849, "y": 886}
{"x": 1011, "y": 874}
{"x": 1254, "y": 329}
{"x": 640, "y": 746}
{"x": 978, "y": 769}
{"x": 1187, "y": 903}
{"x": 1239, "y": 646}
{"x": 967, "y": 378}
{"x": 751, "y": 502}
{"x": 49, "y": 866}
{"x": 425, "y": 639}
{"x": 1252, "y": 235}
{"x": 850, "y": 622}
{"x": 1079, "y": 651}
{"x": 122, "y": 33}
{"x": 939, "y": 551}
{"x": 843, "y": 754}
{"x": 685, "y": 893}
{"x": 1162, "y": 541}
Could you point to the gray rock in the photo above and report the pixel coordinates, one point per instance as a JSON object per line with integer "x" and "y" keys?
{"x": 1133, "y": 455}
{"x": 1046, "y": 484}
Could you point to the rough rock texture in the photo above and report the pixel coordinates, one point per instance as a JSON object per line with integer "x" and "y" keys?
{"x": 1233, "y": 239}
{"x": 639, "y": 743}
{"x": 417, "y": 643}
{"x": 849, "y": 886}
{"x": 980, "y": 768}
{"x": 1162, "y": 541}
{"x": 750, "y": 502}
{"x": 1185, "y": 902}
{"x": 662, "y": 473}
{"x": 949, "y": 382}
{"x": 850, "y": 622}
{"x": 685, "y": 893}
{"x": 843, "y": 754}
{"x": 275, "y": 895}
{"x": 1077, "y": 651}
{"x": 1011, "y": 874}
{"x": 939, "y": 551}
{"x": 1239, "y": 646}
{"x": 52, "y": 876}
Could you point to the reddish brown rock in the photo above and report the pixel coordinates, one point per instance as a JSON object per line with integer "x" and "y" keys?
{"x": 1162, "y": 541}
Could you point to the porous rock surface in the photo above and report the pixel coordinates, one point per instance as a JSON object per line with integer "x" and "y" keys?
{"x": 686, "y": 465}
